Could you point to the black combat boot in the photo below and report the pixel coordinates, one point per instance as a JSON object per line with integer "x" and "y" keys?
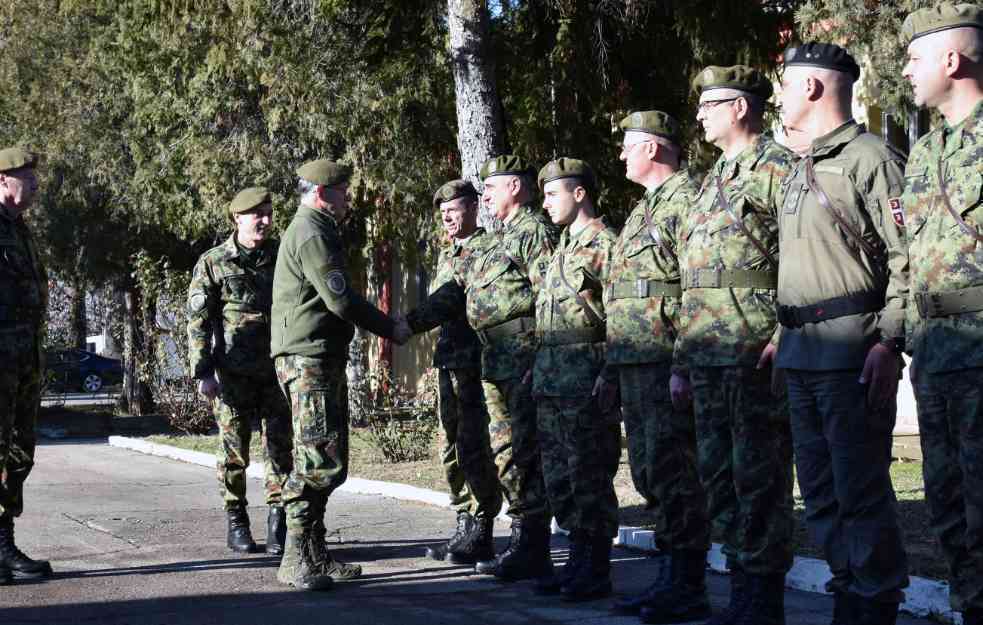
{"x": 592, "y": 579}
{"x": 478, "y": 543}
{"x": 973, "y": 617}
{"x": 765, "y": 604}
{"x": 844, "y": 608}
{"x": 739, "y": 595}
{"x": 870, "y": 612}
{"x": 302, "y": 566}
{"x": 239, "y": 539}
{"x": 526, "y": 557}
{"x": 276, "y": 530}
{"x": 632, "y": 604}
{"x": 441, "y": 551}
{"x": 489, "y": 566}
{"x": 14, "y": 560}
{"x": 686, "y": 598}
{"x": 6, "y": 577}
{"x": 551, "y": 584}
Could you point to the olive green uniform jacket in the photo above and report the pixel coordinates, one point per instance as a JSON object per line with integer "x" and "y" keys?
{"x": 457, "y": 344}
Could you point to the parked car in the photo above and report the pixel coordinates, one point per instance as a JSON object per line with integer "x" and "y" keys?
{"x": 74, "y": 369}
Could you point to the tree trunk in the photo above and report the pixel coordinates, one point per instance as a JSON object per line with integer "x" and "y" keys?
{"x": 480, "y": 121}
{"x": 132, "y": 346}
{"x": 77, "y": 322}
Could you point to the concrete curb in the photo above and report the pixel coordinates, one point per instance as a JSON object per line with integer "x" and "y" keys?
{"x": 925, "y": 597}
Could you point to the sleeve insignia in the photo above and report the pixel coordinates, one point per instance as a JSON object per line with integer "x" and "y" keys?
{"x": 336, "y": 283}
{"x": 197, "y": 303}
{"x": 897, "y": 211}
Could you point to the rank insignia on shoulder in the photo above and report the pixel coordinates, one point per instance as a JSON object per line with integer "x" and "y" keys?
{"x": 897, "y": 211}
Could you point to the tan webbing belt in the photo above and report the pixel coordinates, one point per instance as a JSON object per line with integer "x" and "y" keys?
{"x": 509, "y": 328}
{"x": 729, "y": 278}
{"x": 596, "y": 334}
{"x": 945, "y": 303}
{"x": 640, "y": 289}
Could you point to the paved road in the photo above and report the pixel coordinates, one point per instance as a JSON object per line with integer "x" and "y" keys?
{"x": 140, "y": 540}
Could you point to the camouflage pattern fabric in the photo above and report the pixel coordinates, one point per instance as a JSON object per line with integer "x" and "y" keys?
{"x": 242, "y": 402}
{"x": 317, "y": 391}
{"x": 744, "y": 452}
{"x": 457, "y": 344}
{"x": 466, "y": 455}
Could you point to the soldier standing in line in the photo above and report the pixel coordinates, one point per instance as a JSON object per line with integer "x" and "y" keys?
{"x": 942, "y": 211}
{"x": 468, "y": 463}
{"x": 729, "y": 275}
{"x": 642, "y": 303}
{"x": 580, "y": 440}
{"x": 314, "y": 309}
{"x": 229, "y": 303}
{"x": 497, "y": 289}
{"x": 841, "y": 249}
{"x": 24, "y": 297}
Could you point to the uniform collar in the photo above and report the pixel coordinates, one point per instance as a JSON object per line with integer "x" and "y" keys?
{"x": 313, "y": 212}
{"x": 670, "y": 185}
{"x": 585, "y": 236}
{"x": 746, "y": 160}
{"x": 832, "y": 141}
{"x": 522, "y": 213}
{"x": 965, "y": 130}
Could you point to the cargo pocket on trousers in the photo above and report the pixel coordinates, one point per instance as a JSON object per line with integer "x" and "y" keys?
{"x": 314, "y": 419}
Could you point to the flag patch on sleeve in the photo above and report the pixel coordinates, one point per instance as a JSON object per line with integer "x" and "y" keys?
{"x": 897, "y": 211}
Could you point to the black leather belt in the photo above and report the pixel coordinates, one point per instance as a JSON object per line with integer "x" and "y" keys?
{"x": 945, "y": 303}
{"x": 798, "y": 316}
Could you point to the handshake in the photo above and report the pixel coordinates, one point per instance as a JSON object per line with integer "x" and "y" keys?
{"x": 402, "y": 332}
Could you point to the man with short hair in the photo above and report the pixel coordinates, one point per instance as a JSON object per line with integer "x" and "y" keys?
{"x": 467, "y": 459}
{"x": 729, "y": 276}
{"x": 942, "y": 211}
{"x": 580, "y": 439}
{"x": 229, "y": 302}
{"x": 313, "y": 316}
{"x": 841, "y": 250}
{"x": 24, "y": 297}
{"x": 642, "y": 303}
{"x": 497, "y": 289}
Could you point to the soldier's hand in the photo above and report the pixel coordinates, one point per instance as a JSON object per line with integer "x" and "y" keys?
{"x": 527, "y": 377}
{"x": 767, "y": 356}
{"x": 680, "y": 391}
{"x": 208, "y": 387}
{"x": 606, "y": 394}
{"x": 881, "y": 371}
{"x": 402, "y": 331}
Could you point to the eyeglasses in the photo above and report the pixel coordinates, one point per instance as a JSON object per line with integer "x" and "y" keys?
{"x": 709, "y": 104}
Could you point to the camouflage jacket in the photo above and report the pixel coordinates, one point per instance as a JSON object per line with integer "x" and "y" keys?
{"x": 642, "y": 329}
{"x": 942, "y": 256}
{"x": 570, "y": 313}
{"x": 729, "y": 326}
{"x": 863, "y": 177}
{"x": 497, "y": 284}
{"x": 229, "y": 311}
{"x": 457, "y": 345}
{"x": 23, "y": 280}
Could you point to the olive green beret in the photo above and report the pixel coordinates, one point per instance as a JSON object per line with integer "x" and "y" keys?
{"x": 825, "y": 55}
{"x": 568, "y": 168}
{"x": 942, "y": 17}
{"x": 506, "y": 164}
{"x": 652, "y": 122}
{"x": 739, "y": 77}
{"x": 248, "y": 199}
{"x": 16, "y": 158}
{"x": 453, "y": 190}
{"x": 324, "y": 172}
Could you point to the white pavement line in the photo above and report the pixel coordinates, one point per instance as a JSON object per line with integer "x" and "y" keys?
{"x": 924, "y": 597}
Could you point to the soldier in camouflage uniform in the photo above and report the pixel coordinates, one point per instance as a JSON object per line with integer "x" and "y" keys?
{"x": 580, "y": 440}
{"x": 229, "y": 345}
{"x": 942, "y": 212}
{"x": 642, "y": 303}
{"x": 497, "y": 289}
{"x": 729, "y": 275}
{"x": 314, "y": 307}
{"x": 840, "y": 247}
{"x": 24, "y": 297}
{"x": 468, "y": 463}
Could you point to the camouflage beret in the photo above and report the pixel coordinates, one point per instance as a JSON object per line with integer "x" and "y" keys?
{"x": 568, "y": 168}
{"x": 739, "y": 77}
{"x": 324, "y": 172}
{"x": 248, "y": 199}
{"x": 506, "y": 164}
{"x": 453, "y": 190}
{"x": 16, "y": 158}
{"x": 942, "y": 17}
{"x": 824, "y": 55}
{"x": 652, "y": 122}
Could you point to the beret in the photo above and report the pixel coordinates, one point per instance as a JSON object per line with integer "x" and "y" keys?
{"x": 652, "y": 122}
{"x": 506, "y": 164}
{"x": 739, "y": 77}
{"x": 453, "y": 190}
{"x": 942, "y": 17}
{"x": 16, "y": 158}
{"x": 248, "y": 199}
{"x": 324, "y": 172}
{"x": 568, "y": 168}
{"x": 824, "y": 55}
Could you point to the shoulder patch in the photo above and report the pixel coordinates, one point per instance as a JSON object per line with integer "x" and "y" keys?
{"x": 336, "y": 282}
{"x": 897, "y": 211}
{"x": 196, "y": 303}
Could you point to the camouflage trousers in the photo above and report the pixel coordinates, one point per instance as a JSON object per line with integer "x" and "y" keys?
{"x": 515, "y": 447}
{"x": 950, "y": 423}
{"x": 581, "y": 449}
{"x": 466, "y": 455}
{"x": 662, "y": 456}
{"x": 317, "y": 391}
{"x": 744, "y": 454}
{"x": 20, "y": 397}
{"x": 843, "y": 461}
{"x": 242, "y": 401}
